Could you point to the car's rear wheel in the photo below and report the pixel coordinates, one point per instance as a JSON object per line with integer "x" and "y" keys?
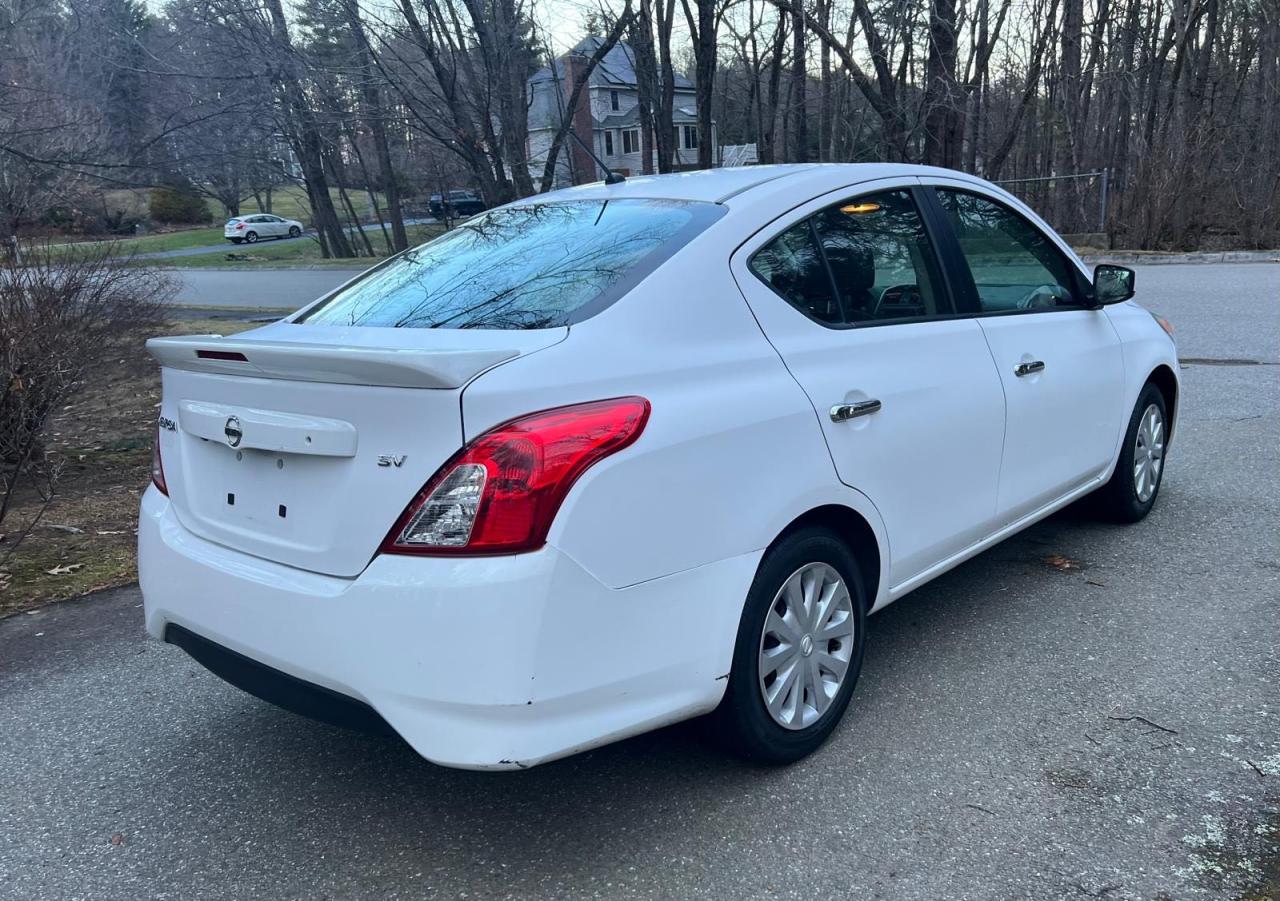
{"x": 235, "y": 240}
{"x": 798, "y": 652}
{"x": 251, "y": 237}
{"x": 294, "y": 231}
{"x": 1131, "y": 492}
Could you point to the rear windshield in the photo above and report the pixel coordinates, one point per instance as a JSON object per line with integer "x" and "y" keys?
{"x": 533, "y": 266}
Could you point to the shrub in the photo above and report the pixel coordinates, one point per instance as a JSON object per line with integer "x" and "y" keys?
{"x": 61, "y": 312}
{"x": 178, "y": 203}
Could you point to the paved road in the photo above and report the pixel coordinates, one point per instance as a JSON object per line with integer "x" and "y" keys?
{"x": 236, "y": 289}
{"x": 1019, "y": 731}
{"x": 261, "y": 245}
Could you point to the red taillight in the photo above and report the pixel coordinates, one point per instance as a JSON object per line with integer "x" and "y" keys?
{"x": 500, "y": 493}
{"x": 157, "y": 466}
{"x": 239, "y": 225}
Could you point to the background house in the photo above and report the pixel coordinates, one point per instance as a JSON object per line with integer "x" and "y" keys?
{"x": 607, "y": 117}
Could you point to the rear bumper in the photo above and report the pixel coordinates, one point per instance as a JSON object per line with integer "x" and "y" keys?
{"x": 278, "y": 688}
{"x": 479, "y": 663}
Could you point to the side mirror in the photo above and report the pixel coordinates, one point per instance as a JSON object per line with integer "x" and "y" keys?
{"x": 1112, "y": 284}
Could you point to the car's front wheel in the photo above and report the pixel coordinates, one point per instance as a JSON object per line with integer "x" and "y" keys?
{"x": 798, "y": 652}
{"x": 1131, "y": 492}
{"x": 294, "y": 231}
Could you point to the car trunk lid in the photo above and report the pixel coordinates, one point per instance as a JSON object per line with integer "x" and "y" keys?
{"x": 303, "y": 444}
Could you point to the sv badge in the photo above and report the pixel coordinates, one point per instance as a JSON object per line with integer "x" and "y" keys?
{"x": 396, "y": 460}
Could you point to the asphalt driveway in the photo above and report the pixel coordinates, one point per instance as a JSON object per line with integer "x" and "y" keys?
{"x": 1083, "y": 711}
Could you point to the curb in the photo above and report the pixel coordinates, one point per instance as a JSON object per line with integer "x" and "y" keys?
{"x": 1157, "y": 258}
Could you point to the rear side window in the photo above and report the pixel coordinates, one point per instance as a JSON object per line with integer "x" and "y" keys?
{"x": 863, "y": 260}
{"x": 534, "y": 266}
{"x": 1014, "y": 265}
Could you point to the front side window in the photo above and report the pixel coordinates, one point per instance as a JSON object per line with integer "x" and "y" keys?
{"x": 880, "y": 258}
{"x": 538, "y": 265}
{"x": 1014, "y": 265}
{"x": 863, "y": 260}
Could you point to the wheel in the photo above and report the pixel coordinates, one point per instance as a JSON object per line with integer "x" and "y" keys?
{"x": 251, "y": 237}
{"x": 798, "y": 651}
{"x": 235, "y": 240}
{"x": 1131, "y": 492}
{"x": 294, "y": 231}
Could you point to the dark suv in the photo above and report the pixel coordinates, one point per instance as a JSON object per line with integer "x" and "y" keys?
{"x": 455, "y": 205}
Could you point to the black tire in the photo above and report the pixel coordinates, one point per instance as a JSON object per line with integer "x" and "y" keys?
{"x": 742, "y": 722}
{"x": 251, "y": 237}
{"x": 235, "y": 240}
{"x": 295, "y": 232}
{"x": 1118, "y": 500}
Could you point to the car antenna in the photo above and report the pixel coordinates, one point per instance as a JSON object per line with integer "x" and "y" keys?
{"x": 610, "y": 177}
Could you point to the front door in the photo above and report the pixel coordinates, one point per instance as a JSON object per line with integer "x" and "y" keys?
{"x": 849, "y": 292}
{"x": 1059, "y": 360}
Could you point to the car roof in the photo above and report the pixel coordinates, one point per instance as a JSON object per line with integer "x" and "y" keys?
{"x": 714, "y": 185}
{"x": 721, "y": 185}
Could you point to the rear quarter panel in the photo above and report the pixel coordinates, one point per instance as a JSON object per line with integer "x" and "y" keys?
{"x": 732, "y": 451}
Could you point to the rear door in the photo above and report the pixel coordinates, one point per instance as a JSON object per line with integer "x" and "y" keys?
{"x": 1059, "y": 360}
{"x": 849, "y": 291}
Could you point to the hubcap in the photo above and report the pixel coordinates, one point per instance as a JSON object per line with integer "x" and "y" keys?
{"x": 806, "y": 645}
{"x": 1148, "y": 453}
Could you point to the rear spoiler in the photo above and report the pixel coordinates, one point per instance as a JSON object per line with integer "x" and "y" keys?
{"x": 395, "y": 367}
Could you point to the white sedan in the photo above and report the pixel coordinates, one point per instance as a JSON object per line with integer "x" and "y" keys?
{"x": 251, "y": 229}
{"x": 621, "y": 455}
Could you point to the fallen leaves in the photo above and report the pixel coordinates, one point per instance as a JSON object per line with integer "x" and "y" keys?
{"x": 1061, "y": 562}
{"x": 64, "y": 569}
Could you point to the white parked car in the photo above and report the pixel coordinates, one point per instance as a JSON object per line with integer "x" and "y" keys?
{"x": 251, "y": 229}
{"x": 621, "y": 455}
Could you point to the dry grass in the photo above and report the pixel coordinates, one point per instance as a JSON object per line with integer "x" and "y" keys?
{"x": 87, "y": 537}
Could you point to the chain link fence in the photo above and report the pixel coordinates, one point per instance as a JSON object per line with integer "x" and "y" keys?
{"x": 1074, "y": 204}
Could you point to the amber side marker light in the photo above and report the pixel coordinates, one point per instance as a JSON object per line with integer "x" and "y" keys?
{"x": 858, "y": 208}
{"x": 1166, "y": 325}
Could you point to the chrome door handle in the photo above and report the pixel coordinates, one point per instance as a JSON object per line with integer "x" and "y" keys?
{"x": 845, "y": 412}
{"x": 1027, "y": 368}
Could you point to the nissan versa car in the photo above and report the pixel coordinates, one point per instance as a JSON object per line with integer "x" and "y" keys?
{"x": 621, "y": 455}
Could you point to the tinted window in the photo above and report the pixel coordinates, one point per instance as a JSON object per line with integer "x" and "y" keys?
{"x": 792, "y": 265}
{"x": 1014, "y": 265}
{"x": 880, "y": 258}
{"x": 532, "y": 266}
